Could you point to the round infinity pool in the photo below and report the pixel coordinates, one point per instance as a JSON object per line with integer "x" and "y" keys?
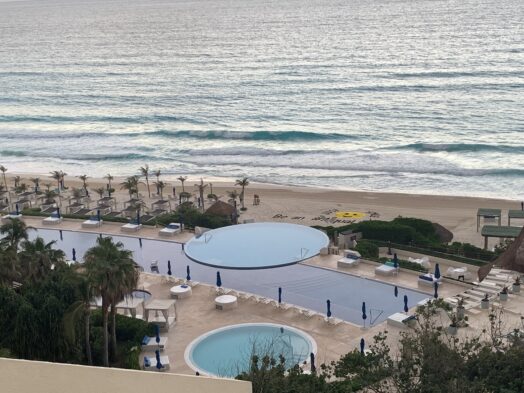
{"x": 256, "y": 246}
{"x": 227, "y": 352}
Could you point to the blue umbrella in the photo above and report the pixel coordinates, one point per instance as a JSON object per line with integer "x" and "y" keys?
{"x": 406, "y": 303}
{"x": 157, "y": 334}
{"x": 312, "y": 358}
{"x": 364, "y": 316}
{"x": 140, "y": 242}
{"x": 435, "y": 295}
{"x": 219, "y": 280}
{"x": 74, "y": 255}
{"x": 61, "y": 234}
{"x": 328, "y": 308}
{"x": 188, "y": 272}
{"x": 158, "y": 364}
{"x": 396, "y": 291}
{"x": 138, "y": 217}
{"x": 58, "y": 212}
{"x": 437, "y": 271}
{"x": 362, "y": 345}
{"x": 169, "y": 267}
{"x": 98, "y": 215}
{"x": 17, "y": 209}
{"x": 395, "y": 260}
{"x": 279, "y": 295}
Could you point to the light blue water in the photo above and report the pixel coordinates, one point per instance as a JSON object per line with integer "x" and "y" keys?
{"x": 259, "y": 245}
{"x": 301, "y": 285}
{"x": 413, "y": 96}
{"x": 228, "y": 352}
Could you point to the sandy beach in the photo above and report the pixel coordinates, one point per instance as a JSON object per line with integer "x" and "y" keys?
{"x": 303, "y": 204}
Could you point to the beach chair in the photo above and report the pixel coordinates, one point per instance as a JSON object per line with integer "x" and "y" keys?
{"x": 351, "y": 258}
{"x": 170, "y": 230}
{"x": 150, "y": 363}
{"x": 53, "y": 219}
{"x": 150, "y": 344}
{"x": 386, "y": 270}
{"x": 93, "y": 222}
{"x": 131, "y": 227}
{"x": 401, "y": 320}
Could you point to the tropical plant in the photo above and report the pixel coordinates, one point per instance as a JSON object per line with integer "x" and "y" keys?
{"x": 17, "y": 180}
{"x": 8, "y": 267}
{"x": 201, "y": 188}
{"x": 84, "y": 181}
{"x": 14, "y": 231}
{"x": 144, "y": 170}
{"x": 131, "y": 185}
{"x": 38, "y": 258}
{"x": 57, "y": 175}
{"x": 160, "y": 185}
{"x": 157, "y": 174}
{"x": 244, "y": 182}
{"x": 48, "y": 186}
{"x": 20, "y": 188}
{"x": 3, "y": 169}
{"x": 109, "y": 179}
{"x": 182, "y": 180}
{"x": 113, "y": 274}
{"x": 36, "y": 182}
{"x": 49, "y": 196}
{"x": 233, "y": 195}
{"x": 100, "y": 191}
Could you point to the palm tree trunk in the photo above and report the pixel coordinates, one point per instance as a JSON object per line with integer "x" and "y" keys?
{"x": 87, "y": 333}
{"x": 105, "y": 313}
{"x": 243, "y": 190}
{"x": 148, "y": 190}
{"x": 113, "y": 331}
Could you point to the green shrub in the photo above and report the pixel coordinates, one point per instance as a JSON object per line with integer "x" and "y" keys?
{"x": 407, "y": 265}
{"x": 192, "y": 217}
{"x": 422, "y": 227}
{"x": 367, "y": 249}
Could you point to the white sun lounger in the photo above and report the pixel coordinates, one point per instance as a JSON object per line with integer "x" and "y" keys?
{"x": 170, "y": 230}
{"x": 11, "y": 216}
{"x": 351, "y": 258}
{"x": 149, "y": 343}
{"x": 386, "y": 270}
{"x": 52, "y": 220}
{"x": 150, "y": 363}
{"x": 400, "y": 320}
{"x": 131, "y": 227}
{"x": 92, "y": 223}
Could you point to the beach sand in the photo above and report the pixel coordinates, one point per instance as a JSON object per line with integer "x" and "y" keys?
{"x": 457, "y": 214}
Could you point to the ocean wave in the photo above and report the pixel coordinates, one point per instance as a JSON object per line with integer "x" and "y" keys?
{"x": 12, "y": 153}
{"x": 99, "y": 119}
{"x": 459, "y": 147}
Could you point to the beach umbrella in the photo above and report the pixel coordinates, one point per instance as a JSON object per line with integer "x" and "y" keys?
{"x": 328, "y": 313}
{"x": 279, "y": 295}
{"x": 17, "y": 209}
{"x": 219, "y": 280}
{"x": 406, "y": 303}
{"x": 138, "y": 217}
{"x": 58, "y": 212}
{"x": 312, "y": 358}
{"x": 169, "y": 267}
{"x": 435, "y": 295}
{"x": 74, "y": 255}
{"x": 362, "y": 345}
{"x": 98, "y": 215}
{"x": 61, "y": 234}
{"x": 396, "y": 291}
{"x": 158, "y": 364}
{"x": 188, "y": 273}
{"x": 395, "y": 260}
{"x": 364, "y": 316}
{"x": 157, "y": 334}
{"x": 437, "y": 271}
{"x": 140, "y": 242}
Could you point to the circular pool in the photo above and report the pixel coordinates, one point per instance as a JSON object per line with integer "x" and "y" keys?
{"x": 226, "y": 352}
{"x": 256, "y": 246}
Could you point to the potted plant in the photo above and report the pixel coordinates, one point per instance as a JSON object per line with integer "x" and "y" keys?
{"x": 503, "y": 295}
{"x": 461, "y": 311}
{"x": 484, "y": 303}
{"x": 453, "y": 326}
{"x": 516, "y": 285}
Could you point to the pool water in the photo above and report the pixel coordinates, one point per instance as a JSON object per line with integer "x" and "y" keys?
{"x": 228, "y": 351}
{"x": 256, "y": 246}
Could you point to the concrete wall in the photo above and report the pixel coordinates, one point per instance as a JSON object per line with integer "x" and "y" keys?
{"x": 22, "y": 376}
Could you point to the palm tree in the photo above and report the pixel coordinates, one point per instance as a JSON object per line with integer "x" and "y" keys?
{"x": 81, "y": 309}
{"x": 145, "y": 172}
{"x": 8, "y": 267}
{"x": 157, "y": 174}
{"x": 36, "y": 182}
{"x": 62, "y": 179}
{"x": 3, "y": 169}
{"x": 20, "y": 188}
{"x": 14, "y": 232}
{"x": 182, "y": 180}
{"x": 84, "y": 181}
{"x": 57, "y": 175}
{"x": 160, "y": 185}
{"x": 113, "y": 274}
{"x": 131, "y": 185}
{"x": 233, "y": 195}
{"x": 38, "y": 258}
{"x": 201, "y": 188}
{"x": 17, "y": 180}
{"x": 49, "y": 196}
{"x": 244, "y": 182}
{"x": 100, "y": 191}
{"x": 48, "y": 186}
{"x": 109, "y": 179}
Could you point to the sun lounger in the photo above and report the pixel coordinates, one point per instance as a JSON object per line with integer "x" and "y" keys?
{"x": 52, "y": 220}
{"x": 130, "y": 227}
{"x": 11, "y": 216}
{"x": 401, "y": 320}
{"x": 424, "y": 261}
{"x": 351, "y": 258}
{"x": 150, "y": 363}
{"x": 93, "y": 222}
{"x": 149, "y": 343}
{"x": 428, "y": 279}
{"x": 170, "y": 230}
{"x": 386, "y": 270}
{"x": 459, "y": 272}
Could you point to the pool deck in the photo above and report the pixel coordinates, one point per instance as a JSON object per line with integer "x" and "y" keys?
{"x": 197, "y": 314}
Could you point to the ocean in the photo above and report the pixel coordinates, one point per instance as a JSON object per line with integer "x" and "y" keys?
{"x": 411, "y": 96}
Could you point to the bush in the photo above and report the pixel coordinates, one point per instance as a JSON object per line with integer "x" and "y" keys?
{"x": 192, "y": 217}
{"x": 422, "y": 227}
{"x": 407, "y": 265}
{"x": 367, "y": 249}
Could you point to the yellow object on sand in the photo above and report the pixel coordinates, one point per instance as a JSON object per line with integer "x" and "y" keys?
{"x": 356, "y": 215}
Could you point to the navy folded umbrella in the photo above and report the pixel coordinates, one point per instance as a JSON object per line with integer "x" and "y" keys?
{"x": 158, "y": 364}
{"x": 169, "y": 267}
{"x": 437, "y": 271}
{"x": 17, "y": 209}
{"x": 395, "y": 260}
{"x": 74, "y": 255}
{"x": 279, "y": 295}
{"x": 157, "y": 333}
{"x": 188, "y": 273}
{"x": 140, "y": 242}
{"x": 58, "y": 212}
{"x": 396, "y": 291}
{"x": 435, "y": 295}
{"x": 219, "y": 280}
{"x": 98, "y": 215}
{"x": 62, "y": 235}
{"x": 364, "y": 316}
{"x": 406, "y": 303}
{"x": 362, "y": 345}
{"x": 312, "y": 358}
{"x": 138, "y": 218}
{"x": 328, "y": 313}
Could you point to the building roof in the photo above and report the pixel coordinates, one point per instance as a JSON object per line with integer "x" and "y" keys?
{"x": 500, "y": 231}
{"x": 489, "y": 212}
{"x": 220, "y": 208}
{"x": 516, "y": 214}
{"x": 511, "y": 259}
